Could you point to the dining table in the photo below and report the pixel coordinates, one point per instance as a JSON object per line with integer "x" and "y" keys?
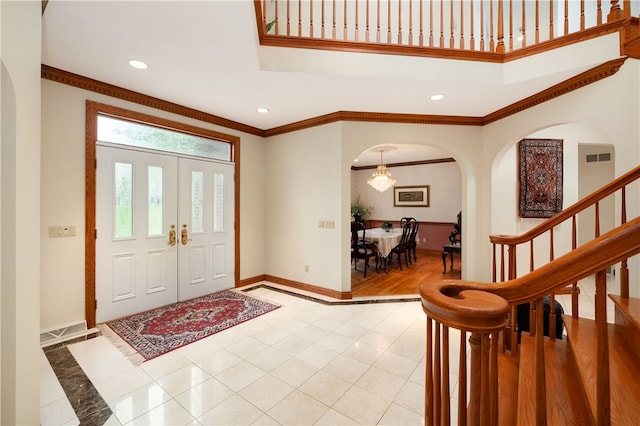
{"x": 385, "y": 240}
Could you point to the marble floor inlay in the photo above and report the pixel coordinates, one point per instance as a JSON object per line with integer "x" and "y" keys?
{"x": 89, "y": 406}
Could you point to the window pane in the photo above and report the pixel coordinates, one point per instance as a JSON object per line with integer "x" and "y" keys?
{"x": 218, "y": 202}
{"x": 124, "y": 132}
{"x": 197, "y": 201}
{"x": 154, "y": 175}
{"x": 123, "y": 209}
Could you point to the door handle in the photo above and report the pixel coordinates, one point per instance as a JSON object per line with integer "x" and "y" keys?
{"x": 172, "y": 236}
{"x": 184, "y": 234}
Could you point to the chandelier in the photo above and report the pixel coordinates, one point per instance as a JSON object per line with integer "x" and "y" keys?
{"x": 381, "y": 178}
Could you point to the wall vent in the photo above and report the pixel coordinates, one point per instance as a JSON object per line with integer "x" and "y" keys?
{"x": 594, "y": 158}
{"x": 51, "y": 337}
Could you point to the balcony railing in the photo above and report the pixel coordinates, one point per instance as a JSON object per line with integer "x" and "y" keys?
{"x": 479, "y": 26}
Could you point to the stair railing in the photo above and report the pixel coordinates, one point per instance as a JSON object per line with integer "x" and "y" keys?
{"x": 481, "y": 309}
{"x": 504, "y": 266}
{"x": 479, "y": 30}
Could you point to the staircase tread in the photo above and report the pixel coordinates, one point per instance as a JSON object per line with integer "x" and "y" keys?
{"x": 624, "y": 358}
{"x": 629, "y": 307}
{"x": 507, "y": 389}
{"x": 566, "y": 403}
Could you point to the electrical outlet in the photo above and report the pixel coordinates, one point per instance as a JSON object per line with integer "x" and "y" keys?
{"x": 57, "y": 231}
{"x": 330, "y": 224}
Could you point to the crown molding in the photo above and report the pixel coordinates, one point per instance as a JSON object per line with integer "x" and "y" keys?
{"x": 588, "y": 77}
{"x": 408, "y": 163}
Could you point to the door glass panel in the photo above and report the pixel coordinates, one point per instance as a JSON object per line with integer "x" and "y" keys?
{"x": 218, "y": 202}
{"x": 125, "y": 132}
{"x": 123, "y": 208}
{"x": 154, "y": 179}
{"x": 197, "y": 201}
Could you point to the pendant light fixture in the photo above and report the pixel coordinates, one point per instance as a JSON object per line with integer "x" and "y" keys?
{"x": 381, "y": 178}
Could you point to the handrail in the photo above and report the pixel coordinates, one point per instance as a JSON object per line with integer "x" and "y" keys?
{"x": 481, "y": 309}
{"x": 482, "y": 30}
{"x": 570, "y": 211}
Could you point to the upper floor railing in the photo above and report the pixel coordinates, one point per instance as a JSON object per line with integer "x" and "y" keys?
{"x": 482, "y": 26}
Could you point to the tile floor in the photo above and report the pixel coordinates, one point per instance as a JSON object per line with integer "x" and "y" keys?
{"x": 306, "y": 363}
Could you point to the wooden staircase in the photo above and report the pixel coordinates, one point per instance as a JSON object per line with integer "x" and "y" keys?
{"x": 585, "y": 377}
{"x": 571, "y": 372}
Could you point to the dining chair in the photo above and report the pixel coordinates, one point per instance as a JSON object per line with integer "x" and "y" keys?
{"x": 361, "y": 248}
{"x": 401, "y": 249}
{"x": 412, "y": 242}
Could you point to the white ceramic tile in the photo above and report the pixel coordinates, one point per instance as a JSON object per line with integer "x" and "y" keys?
{"x": 233, "y": 411}
{"x": 361, "y": 406}
{"x": 294, "y": 372}
{"x": 170, "y": 413}
{"x": 311, "y": 332}
{"x": 138, "y": 402}
{"x": 165, "y": 364}
{"x": 317, "y": 355}
{"x": 346, "y": 368}
{"x": 219, "y": 361}
{"x": 411, "y": 397}
{"x": 381, "y": 383}
{"x": 200, "y": 349}
{"x": 398, "y": 415}
{"x": 50, "y": 388}
{"x": 336, "y": 342}
{"x": 204, "y": 396}
{"x": 112, "y": 421}
{"x": 269, "y": 336}
{"x": 185, "y": 378}
{"x": 409, "y": 349}
{"x": 265, "y": 420}
{"x": 268, "y": 359}
{"x": 57, "y": 413}
{"x": 246, "y": 347}
{"x": 292, "y": 344}
{"x": 298, "y": 409}
{"x": 363, "y": 352}
{"x": 325, "y": 387}
{"x": 333, "y": 418}
{"x": 378, "y": 340}
{"x": 395, "y": 364}
{"x": 266, "y": 392}
{"x": 123, "y": 383}
{"x": 240, "y": 375}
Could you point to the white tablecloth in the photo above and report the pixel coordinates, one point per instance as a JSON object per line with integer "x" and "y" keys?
{"x": 385, "y": 240}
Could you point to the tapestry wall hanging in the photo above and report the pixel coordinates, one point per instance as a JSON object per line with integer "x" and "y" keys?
{"x": 540, "y": 177}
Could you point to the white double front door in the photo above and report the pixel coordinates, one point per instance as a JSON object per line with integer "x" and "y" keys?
{"x": 164, "y": 230}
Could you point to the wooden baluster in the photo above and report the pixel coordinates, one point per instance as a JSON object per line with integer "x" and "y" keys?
{"x": 494, "y": 270}
{"x": 452, "y": 40}
{"x": 510, "y": 24}
{"x": 551, "y": 35}
{"x": 345, "y": 22}
{"x": 288, "y": 18}
{"x": 461, "y": 25}
{"x": 599, "y": 13}
{"x": 524, "y": 26}
{"x": 597, "y": 224}
{"x": 446, "y": 392}
{"x": 566, "y": 17}
{"x": 388, "y": 22}
{"x": 299, "y": 18}
{"x": 357, "y": 37}
{"x": 311, "y": 19}
{"x": 322, "y": 32}
{"x": 552, "y": 316}
{"x": 476, "y": 365}
{"x": 502, "y": 263}
{"x": 531, "y": 255}
{"x": 603, "y": 399}
{"x": 627, "y": 8}
{"x": 541, "y": 397}
{"x": 421, "y": 36}
{"x": 410, "y": 23}
{"x": 437, "y": 377}
{"x": 441, "y": 24}
{"x": 366, "y": 33}
{"x": 481, "y": 26}
{"x": 345, "y": 34}
{"x": 492, "y": 46}
{"x": 277, "y": 22}
{"x": 581, "y": 15}
{"x": 399, "y": 22}
{"x": 513, "y": 271}
{"x": 537, "y": 30}
{"x": 472, "y": 40}
{"x": 333, "y": 25}
{"x": 378, "y": 30}
{"x": 428, "y": 399}
{"x": 574, "y": 288}
{"x": 551, "y": 250}
{"x": 462, "y": 378}
{"x": 493, "y": 380}
{"x": 430, "y": 23}
{"x": 624, "y": 270}
{"x": 485, "y": 397}
{"x": 513, "y": 339}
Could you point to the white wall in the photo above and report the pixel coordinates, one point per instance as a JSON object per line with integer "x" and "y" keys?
{"x": 63, "y": 200}
{"x": 443, "y": 179}
{"x": 20, "y": 213}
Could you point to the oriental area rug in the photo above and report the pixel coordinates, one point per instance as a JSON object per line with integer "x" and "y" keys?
{"x": 158, "y": 331}
{"x": 540, "y": 177}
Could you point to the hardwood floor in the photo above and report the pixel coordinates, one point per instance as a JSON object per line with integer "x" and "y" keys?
{"x": 428, "y": 267}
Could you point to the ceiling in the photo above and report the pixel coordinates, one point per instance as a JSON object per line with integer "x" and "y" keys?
{"x": 206, "y": 55}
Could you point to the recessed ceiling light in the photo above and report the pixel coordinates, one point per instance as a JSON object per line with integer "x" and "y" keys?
{"x": 138, "y": 64}
{"x": 263, "y": 110}
{"x": 437, "y": 97}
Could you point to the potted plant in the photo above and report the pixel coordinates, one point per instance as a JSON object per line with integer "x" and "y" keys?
{"x": 386, "y": 226}
{"x": 359, "y": 210}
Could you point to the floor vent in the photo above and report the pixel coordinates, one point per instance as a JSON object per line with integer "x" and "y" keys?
{"x": 61, "y": 334}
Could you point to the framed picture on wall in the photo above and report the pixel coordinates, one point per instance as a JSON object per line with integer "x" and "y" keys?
{"x": 411, "y": 196}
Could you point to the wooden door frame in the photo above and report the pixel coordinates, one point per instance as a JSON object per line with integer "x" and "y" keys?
{"x": 91, "y": 137}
